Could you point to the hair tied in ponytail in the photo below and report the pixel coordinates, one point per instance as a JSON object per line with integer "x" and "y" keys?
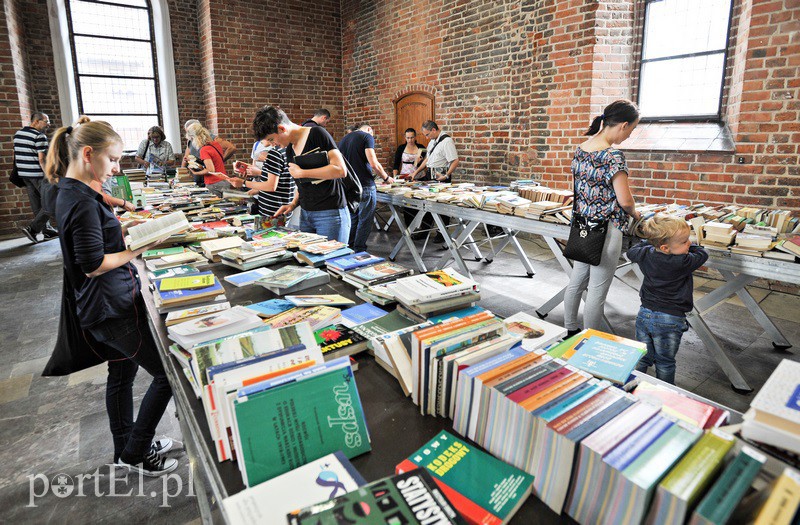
{"x": 68, "y": 130}
{"x": 603, "y": 116}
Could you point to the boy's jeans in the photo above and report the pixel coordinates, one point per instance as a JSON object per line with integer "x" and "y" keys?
{"x": 662, "y": 333}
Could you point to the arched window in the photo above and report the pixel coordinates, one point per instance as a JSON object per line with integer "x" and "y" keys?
{"x": 114, "y": 63}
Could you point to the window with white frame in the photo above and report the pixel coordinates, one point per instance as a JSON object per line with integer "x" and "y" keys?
{"x": 683, "y": 59}
{"x": 114, "y": 63}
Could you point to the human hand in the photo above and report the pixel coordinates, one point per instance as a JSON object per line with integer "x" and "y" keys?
{"x": 253, "y": 171}
{"x": 236, "y": 182}
{"x": 389, "y": 180}
{"x": 295, "y": 171}
{"x": 129, "y": 206}
{"x": 283, "y": 210}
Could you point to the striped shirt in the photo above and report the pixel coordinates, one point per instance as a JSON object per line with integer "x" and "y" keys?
{"x": 28, "y": 143}
{"x": 275, "y": 165}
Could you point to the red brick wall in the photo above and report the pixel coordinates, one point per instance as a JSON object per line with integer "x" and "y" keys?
{"x": 516, "y": 84}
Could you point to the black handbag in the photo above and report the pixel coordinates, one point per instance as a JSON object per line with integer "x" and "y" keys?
{"x": 75, "y": 348}
{"x": 586, "y": 237}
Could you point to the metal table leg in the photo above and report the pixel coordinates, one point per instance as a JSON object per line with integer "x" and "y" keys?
{"x": 451, "y": 246}
{"x": 523, "y": 257}
{"x": 778, "y": 339}
{"x": 738, "y": 381}
{"x": 464, "y": 234}
{"x": 406, "y": 232}
{"x": 500, "y": 247}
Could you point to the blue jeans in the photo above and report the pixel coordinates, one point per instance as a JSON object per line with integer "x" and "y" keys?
{"x": 662, "y": 333}
{"x": 333, "y": 224}
{"x": 361, "y": 220}
{"x": 132, "y": 338}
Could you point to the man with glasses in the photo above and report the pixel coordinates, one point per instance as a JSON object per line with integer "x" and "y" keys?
{"x": 30, "y": 150}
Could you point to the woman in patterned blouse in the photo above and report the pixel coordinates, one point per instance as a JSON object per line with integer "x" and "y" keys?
{"x": 601, "y": 194}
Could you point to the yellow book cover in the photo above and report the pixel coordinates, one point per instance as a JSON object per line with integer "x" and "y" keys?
{"x": 189, "y": 282}
{"x": 783, "y": 501}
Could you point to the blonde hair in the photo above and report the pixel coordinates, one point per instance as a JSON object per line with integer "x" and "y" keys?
{"x": 198, "y": 134}
{"x": 67, "y": 142}
{"x": 661, "y": 228}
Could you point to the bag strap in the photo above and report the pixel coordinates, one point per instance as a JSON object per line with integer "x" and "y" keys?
{"x": 439, "y": 140}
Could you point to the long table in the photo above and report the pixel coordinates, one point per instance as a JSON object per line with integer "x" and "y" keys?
{"x": 737, "y": 270}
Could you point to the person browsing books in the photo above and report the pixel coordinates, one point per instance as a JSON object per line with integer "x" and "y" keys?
{"x": 601, "y": 194}
{"x": 228, "y": 150}
{"x": 358, "y": 148}
{"x": 408, "y": 155}
{"x": 321, "y": 118}
{"x": 212, "y": 158}
{"x": 442, "y": 159}
{"x": 102, "y": 293}
{"x": 318, "y": 192}
{"x": 155, "y": 150}
{"x": 667, "y": 259}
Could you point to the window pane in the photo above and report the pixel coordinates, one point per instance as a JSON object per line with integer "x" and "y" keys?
{"x": 679, "y": 27}
{"x": 137, "y": 3}
{"x": 100, "y": 56}
{"x": 681, "y": 87}
{"x": 118, "y": 95}
{"x": 109, "y": 20}
{"x": 133, "y": 130}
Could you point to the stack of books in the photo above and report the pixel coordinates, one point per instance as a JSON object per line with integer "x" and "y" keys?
{"x": 168, "y": 298}
{"x": 434, "y": 293}
{"x": 212, "y": 326}
{"x": 375, "y": 274}
{"x": 718, "y": 235}
{"x": 291, "y": 279}
{"x": 213, "y": 248}
{"x": 512, "y": 205}
{"x": 774, "y": 414}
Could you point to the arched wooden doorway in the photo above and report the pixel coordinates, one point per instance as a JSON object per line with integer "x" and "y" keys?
{"x": 411, "y": 110}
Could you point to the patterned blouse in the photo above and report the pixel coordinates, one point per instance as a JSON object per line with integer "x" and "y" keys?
{"x": 594, "y": 193}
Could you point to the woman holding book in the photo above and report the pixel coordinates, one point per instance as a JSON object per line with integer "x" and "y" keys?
{"x": 102, "y": 296}
{"x": 601, "y": 194}
{"x": 211, "y": 157}
{"x": 408, "y": 155}
{"x": 275, "y": 187}
{"x": 318, "y": 191}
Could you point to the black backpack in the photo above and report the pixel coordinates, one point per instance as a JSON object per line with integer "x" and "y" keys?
{"x": 352, "y": 187}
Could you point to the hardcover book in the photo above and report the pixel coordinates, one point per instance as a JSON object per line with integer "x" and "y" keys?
{"x": 607, "y": 359}
{"x": 338, "y": 340}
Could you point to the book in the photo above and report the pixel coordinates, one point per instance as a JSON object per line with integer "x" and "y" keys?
{"x": 271, "y": 307}
{"x": 483, "y": 489}
{"x": 352, "y": 261}
{"x": 720, "y": 501}
{"x": 316, "y": 316}
{"x": 680, "y": 490}
{"x": 182, "y": 297}
{"x": 360, "y": 314}
{"x": 325, "y": 478}
{"x": 156, "y": 229}
{"x": 248, "y": 278}
{"x": 183, "y": 269}
{"x": 318, "y": 300}
{"x": 324, "y": 247}
{"x": 607, "y": 359}
{"x": 286, "y": 277}
{"x": 535, "y": 333}
{"x": 408, "y": 498}
{"x": 575, "y": 342}
{"x": 385, "y": 324}
{"x": 338, "y": 340}
{"x": 434, "y": 285}
{"x": 681, "y": 407}
{"x": 781, "y": 507}
{"x": 306, "y": 420}
{"x": 161, "y": 252}
{"x": 213, "y": 326}
{"x": 317, "y": 260}
{"x": 774, "y": 414}
{"x": 192, "y": 313}
{"x": 188, "y": 282}
{"x": 375, "y": 274}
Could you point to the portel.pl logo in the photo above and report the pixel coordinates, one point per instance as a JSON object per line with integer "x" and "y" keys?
{"x": 102, "y": 485}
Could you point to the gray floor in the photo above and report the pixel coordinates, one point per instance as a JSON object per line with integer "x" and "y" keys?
{"x": 53, "y": 426}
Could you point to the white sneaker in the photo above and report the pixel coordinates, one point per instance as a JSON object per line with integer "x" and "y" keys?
{"x": 152, "y": 465}
{"x": 161, "y": 446}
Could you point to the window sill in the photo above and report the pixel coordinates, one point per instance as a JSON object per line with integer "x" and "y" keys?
{"x": 683, "y": 137}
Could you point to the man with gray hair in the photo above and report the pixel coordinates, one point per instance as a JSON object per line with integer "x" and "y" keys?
{"x": 228, "y": 149}
{"x": 30, "y": 150}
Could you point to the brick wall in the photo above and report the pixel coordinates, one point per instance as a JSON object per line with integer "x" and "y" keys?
{"x": 517, "y": 83}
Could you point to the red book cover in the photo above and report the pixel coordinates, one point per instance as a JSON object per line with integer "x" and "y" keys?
{"x": 547, "y": 381}
{"x": 565, "y": 423}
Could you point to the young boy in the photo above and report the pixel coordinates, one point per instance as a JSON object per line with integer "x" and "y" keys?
{"x": 667, "y": 260}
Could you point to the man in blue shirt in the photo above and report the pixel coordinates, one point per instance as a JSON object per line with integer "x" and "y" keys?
{"x": 358, "y": 149}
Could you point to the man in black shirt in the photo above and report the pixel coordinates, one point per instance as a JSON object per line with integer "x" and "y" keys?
{"x": 320, "y": 118}
{"x": 358, "y": 148}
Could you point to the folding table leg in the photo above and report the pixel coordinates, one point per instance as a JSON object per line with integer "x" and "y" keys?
{"x": 738, "y": 381}
{"x": 406, "y": 232}
{"x": 451, "y": 245}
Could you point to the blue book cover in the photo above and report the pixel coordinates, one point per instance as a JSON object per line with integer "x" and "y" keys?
{"x": 458, "y": 314}
{"x": 569, "y": 400}
{"x": 626, "y": 452}
{"x": 216, "y": 369}
{"x": 317, "y": 260}
{"x": 606, "y": 359}
{"x": 271, "y": 307}
{"x": 356, "y": 260}
{"x": 176, "y": 294}
{"x": 362, "y": 313}
{"x": 249, "y": 277}
{"x": 588, "y": 427}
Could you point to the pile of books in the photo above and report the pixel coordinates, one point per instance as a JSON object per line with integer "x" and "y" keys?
{"x": 774, "y": 414}
{"x": 718, "y": 235}
{"x": 512, "y": 205}
{"x": 172, "y": 293}
{"x": 374, "y": 274}
{"x": 434, "y": 293}
{"x": 318, "y": 253}
{"x": 291, "y": 279}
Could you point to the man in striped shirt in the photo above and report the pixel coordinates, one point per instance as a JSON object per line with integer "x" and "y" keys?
{"x": 30, "y": 150}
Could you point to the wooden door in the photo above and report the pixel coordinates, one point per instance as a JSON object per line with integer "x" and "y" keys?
{"x": 411, "y": 111}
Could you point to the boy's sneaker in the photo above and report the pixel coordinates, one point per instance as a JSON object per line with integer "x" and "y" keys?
{"x": 29, "y": 234}
{"x": 152, "y": 465}
{"x": 161, "y": 446}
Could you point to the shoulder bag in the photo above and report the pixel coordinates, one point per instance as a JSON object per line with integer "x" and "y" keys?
{"x": 586, "y": 236}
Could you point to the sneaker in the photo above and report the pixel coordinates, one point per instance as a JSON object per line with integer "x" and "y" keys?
{"x": 50, "y": 234}
{"x": 152, "y": 465}
{"x": 29, "y": 234}
{"x": 161, "y": 446}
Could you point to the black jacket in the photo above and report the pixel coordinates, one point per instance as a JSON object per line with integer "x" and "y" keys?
{"x": 398, "y": 156}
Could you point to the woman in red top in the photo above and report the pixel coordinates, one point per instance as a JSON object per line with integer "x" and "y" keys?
{"x": 215, "y": 176}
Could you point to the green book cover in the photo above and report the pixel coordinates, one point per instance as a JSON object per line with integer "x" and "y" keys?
{"x": 655, "y": 462}
{"x": 412, "y": 497}
{"x": 172, "y": 272}
{"x": 152, "y": 254}
{"x": 482, "y": 488}
{"x": 557, "y": 351}
{"x": 721, "y": 500}
{"x": 696, "y": 470}
{"x": 390, "y": 322}
{"x": 286, "y": 427}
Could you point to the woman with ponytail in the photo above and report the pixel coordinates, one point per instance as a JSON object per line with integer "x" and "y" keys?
{"x": 600, "y": 177}
{"x": 102, "y": 294}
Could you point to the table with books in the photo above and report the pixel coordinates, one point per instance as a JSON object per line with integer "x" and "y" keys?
{"x": 737, "y": 269}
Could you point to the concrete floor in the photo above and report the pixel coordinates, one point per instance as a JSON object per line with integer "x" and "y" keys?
{"x": 51, "y": 426}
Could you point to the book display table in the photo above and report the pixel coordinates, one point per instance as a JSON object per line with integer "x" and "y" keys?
{"x": 737, "y": 270}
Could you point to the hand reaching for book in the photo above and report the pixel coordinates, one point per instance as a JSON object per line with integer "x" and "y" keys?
{"x": 236, "y": 182}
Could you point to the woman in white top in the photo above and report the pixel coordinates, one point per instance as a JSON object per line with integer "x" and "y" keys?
{"x": 408, "y": 155}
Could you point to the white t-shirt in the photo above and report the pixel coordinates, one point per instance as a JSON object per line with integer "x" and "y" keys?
{"x": 258, "y": 147}
{"x": 443, "y": 154}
